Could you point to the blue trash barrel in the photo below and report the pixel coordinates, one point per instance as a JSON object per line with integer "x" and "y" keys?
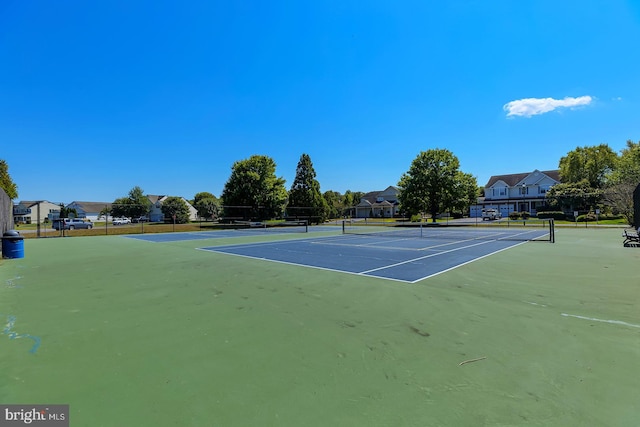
{"x": 12, "y": 244}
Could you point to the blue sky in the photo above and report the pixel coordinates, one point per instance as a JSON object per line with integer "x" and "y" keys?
{"x": 98, "y": 97}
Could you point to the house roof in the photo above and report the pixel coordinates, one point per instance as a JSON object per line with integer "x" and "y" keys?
{"x": 372, "y": 196}
{"x": 154, "y": 198}
{"x": 514, "y": 178}
{"x": 29, "y": 203}
{"x": 91, "y": 206}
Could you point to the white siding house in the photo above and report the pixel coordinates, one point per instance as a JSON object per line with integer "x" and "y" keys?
{"x": 520, "y": 192}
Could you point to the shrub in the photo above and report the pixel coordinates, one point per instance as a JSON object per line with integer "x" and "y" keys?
{"x": 610, "y": 216}
{"x": 591, "y": 216}
{"x": 519, "y": 215}
{"x": 416, "y": 218}
{"x": 552, "y": 214}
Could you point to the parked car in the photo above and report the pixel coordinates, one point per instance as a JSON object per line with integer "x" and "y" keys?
{"x": 71, "y": 224}
{"x": 121, "y": 221}
{"x": 490, "y": 214}
{"x": 141, "y": 219}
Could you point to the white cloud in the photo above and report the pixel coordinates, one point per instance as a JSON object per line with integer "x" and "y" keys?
{"x": 528, "y": 107}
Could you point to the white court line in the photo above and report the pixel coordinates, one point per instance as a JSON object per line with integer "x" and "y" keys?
{"x": 220, "y": 249}
{"x": 465, "y": 263}
{"x": 303, "y": 265}
{"x": 425, "y": 257}
{"x": 593, "y": 319}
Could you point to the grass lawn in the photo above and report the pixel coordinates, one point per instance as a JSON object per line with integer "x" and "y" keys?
{"x": 132, "y": 333}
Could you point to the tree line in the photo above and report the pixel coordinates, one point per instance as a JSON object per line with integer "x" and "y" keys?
{"x": 591, "y": 176}
{"x": 596, "y": 177}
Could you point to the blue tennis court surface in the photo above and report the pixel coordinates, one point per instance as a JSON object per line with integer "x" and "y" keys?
{"x": 223, "y": 234}
{"x": 402, "y": 259}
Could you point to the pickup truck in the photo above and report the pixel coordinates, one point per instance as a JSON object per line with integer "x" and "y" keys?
{"x": 490, "y": 214}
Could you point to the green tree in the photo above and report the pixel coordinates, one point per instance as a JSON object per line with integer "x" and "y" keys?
{"x": 203, "y": 195}
{"x": 305, "y": 199}
{"x": 68, "y": 212}
{"x": 121, "y": 207}
{"x": 134, "y": 205}
{"x": 467, "y": 193}
{"x": 175, "y": 206}
{"x": 334, "y": 202}
{"x": 207, "y": 207}
{"x": 350, "y": 200}
{"x": 594, "y": 164}
{"x": 434, "y": 184}
{"x": 253, "y": 191}
{"x": 6, "y": 183}
{"x": 628, "y": 167}
{"x": 574, "y": 196}
{"x": 624, "y": 180}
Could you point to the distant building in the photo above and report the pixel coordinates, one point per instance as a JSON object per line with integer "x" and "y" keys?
{"x": 26, "y": 212}
{"x": 90, "y": 210}
{"x": 519, "y": 192}
{"x": 378, "y": 204}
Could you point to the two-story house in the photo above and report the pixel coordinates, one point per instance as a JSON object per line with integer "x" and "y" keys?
{"x": 34, "y": 212}
{"x": 378, "y": 204}
{"x": 519, "y": 192}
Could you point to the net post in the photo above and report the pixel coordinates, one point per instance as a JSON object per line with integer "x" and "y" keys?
{"x": 552, "y": 230}
{"x": 343, "y": 221}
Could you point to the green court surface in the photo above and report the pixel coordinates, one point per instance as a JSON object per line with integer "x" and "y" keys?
{"x": 133, "y": 333}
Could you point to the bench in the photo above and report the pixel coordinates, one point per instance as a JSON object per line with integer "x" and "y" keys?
{"x": 631, "y": 238}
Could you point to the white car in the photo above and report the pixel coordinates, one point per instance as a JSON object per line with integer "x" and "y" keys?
{"x": 490, "y": 214}
{"x": 121, "y": 221}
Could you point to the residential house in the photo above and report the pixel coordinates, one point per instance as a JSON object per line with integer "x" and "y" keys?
{"x": 91, "y": 211}
{"x": 378, "y": 204}
{"x": 156, "y": 215}
{"x": 34, "y": 212}
{"x": 519, "y": 192}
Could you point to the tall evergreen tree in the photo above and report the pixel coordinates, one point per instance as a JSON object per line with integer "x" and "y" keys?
{"x": 305, "y": 199}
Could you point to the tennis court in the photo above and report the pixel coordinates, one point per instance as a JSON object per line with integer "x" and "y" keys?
{"x": 402, "y": 259}
{"x": 129, "y": 332}
{"x": 255, "y": 229}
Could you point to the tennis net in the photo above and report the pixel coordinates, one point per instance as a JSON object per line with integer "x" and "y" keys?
{"x": 523, "y": 230}
{"x": 300, "y": 226}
